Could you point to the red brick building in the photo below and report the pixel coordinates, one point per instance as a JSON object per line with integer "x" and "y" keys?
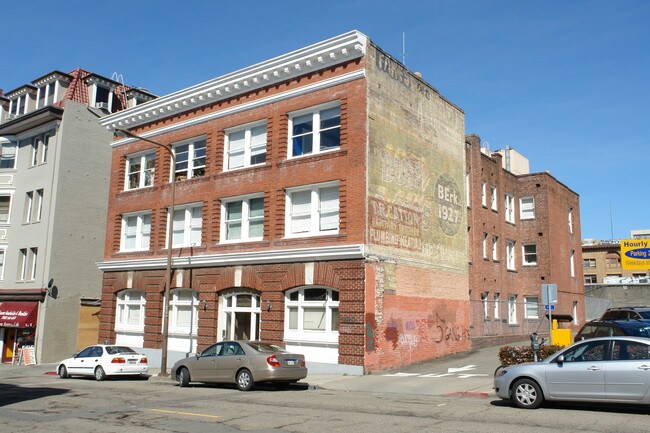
{"x": 319, "y": 205}
{"x": 524, "y": 231}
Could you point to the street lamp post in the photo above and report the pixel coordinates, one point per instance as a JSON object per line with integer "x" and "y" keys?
{"x": 168, "y": 271}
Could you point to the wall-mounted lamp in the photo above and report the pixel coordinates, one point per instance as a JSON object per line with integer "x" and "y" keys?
{"x": 205, "y": 305}
{"x": 268, "y": 305}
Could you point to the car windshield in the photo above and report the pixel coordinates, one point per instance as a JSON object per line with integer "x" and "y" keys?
{"x": 114, "y": 350}
{"x": 645, "y": 314}
{"x": 266, "y": 348}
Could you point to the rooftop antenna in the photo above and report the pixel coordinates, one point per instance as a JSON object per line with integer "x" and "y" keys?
{"x": 404, "y": 48}
{"x": 611, "y": 221}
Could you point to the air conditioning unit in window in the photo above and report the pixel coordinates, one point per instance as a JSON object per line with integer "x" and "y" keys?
{"x": 101, "y": 105}
{"x": 10, "y": 116}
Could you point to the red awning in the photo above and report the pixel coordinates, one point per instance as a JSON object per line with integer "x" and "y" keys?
{"x": 18, "y": 314}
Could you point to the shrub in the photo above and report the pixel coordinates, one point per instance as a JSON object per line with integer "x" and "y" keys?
{"x": 510, "y": 355}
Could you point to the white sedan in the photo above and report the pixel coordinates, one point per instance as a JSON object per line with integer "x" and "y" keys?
{"x": 104, "y": 360}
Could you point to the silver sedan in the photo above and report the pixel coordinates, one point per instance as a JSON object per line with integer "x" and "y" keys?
{"x": 241, "y": 362}
{"x": 608, "y": 369}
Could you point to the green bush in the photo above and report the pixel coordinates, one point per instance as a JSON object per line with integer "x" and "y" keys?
{"x": 511, "y": 355}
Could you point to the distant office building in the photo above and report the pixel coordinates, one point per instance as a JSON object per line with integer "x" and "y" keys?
{"x": 54, "y": 172}
{"x": 601, "y": 261}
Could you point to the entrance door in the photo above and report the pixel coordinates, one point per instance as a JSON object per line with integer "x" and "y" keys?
{"x": 10, "y": 340}
{"x": 239, "y": 316}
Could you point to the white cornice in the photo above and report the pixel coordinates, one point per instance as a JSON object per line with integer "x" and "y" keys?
{"x": 344, "y": 252}
{"x": 242, "y": 107}
{"x": 312, "y": 58}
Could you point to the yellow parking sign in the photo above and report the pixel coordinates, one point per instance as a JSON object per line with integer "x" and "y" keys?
{"x": 635, "y": 254}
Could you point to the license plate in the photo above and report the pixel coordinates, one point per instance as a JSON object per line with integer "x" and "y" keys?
{"x": 131, "y": 361}
{"x": 291, "y": 362}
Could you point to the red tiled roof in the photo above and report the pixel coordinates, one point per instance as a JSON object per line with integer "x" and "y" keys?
{"x": 78, "y": 91}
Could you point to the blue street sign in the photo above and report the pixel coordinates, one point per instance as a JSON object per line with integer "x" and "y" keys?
{"x": 549, "y": 307}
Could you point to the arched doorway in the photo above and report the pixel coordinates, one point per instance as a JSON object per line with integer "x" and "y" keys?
{"x": 239, "y": 315}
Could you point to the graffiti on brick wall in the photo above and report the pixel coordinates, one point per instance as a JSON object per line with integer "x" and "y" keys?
{"x": 448, "y": 332}
{"x": 433, "y": 329}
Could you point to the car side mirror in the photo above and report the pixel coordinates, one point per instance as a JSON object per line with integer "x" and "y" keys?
{"x": 74, "y": 355}
{"x": 560, "y": 359}
{"x": 197, "y": 356}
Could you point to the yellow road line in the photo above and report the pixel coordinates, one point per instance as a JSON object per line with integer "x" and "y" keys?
{"x": 185, "y": 413}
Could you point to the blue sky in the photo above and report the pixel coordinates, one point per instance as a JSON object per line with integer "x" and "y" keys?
{"x": 565, "y": 83}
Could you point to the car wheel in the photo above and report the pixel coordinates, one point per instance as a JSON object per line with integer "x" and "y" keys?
{"x": 245, "y": 380}
{"x": 527, "y": 394}
{"x": 183, "y": 377}
{"x": 100, "y": 374}
{"x": 63, "y": 372}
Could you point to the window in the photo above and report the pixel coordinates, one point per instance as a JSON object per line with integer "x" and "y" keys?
{"x": 467, "y": 187}
{"x": 590, "y": 279}
{"x": 588, "y": 352}
{"x": 18, "y": 106}
{"x": 46, "y": 94}
{"x": 485, "y": 240}
{"x": 5, "y": 208}
{"x": 312, "y": 310}
{"x": 483, "y": 194}
{"x": 531, "y": 310}
{"x": 570, "y": 218}
{"x": 8, "y": 155}
{"x": 512, "y": 309}
{"x": 572, "y": 263}
{"x": 313, "y": 210}
{"x": 493, "y": 197}
{"x": 497, "y": 299}
{"x": 34, "y": 159}
{"x": 130, "y": 310}
{"x": 40, "y": 145}
{"x": 529, "y": 254}
{"x": 184, "y": 312}
{"x": 38, "y": 207}
{"x": 29, "y": 200}
{"x": 510, "y": 255}
{"x": 243, "y": 219}
{"x": 527, "y": 208}
{"x": 613, "y": 260}
{"x": 187, "y": 226}
{"x": 245, "y": 147}
{"x": 315, "y": 131}
{"x": 484, "y": 303}
{"x": 239, "y": 316}
{"x": 589, "y": 263}
{"x": 103, "y": 95}
{"x": 510, "y": 208}
{"x": 3, "y": 251}
{"x": 190, "y": 159}
{"x": 575, "y": 312}
{"x": 27, "y": 264}
{"x": 136, "y": 232}
{"x": 495, "y": 248}
{"x": 140, "y": 170}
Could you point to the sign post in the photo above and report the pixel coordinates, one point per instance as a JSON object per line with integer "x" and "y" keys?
{"x": 549, "y": 297}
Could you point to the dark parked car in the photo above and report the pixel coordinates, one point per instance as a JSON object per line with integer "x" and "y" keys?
{"x": 627, "y": 313}
{"x": 608, "y": 328}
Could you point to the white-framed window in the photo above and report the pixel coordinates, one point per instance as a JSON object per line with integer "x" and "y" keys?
{"x": 18, "y": 106}
{"x": 527, "y": 208}
{"x": 5, "y": 208}
{"x": 485, "y": 247}
{"x": 136, "y": 231}
{"x": 531, "y": 307}
{"x": 3, "y": 255}
{"x": 510, "y": 208}
{"x": 484, "y": 304}
{"x": 312, "y": 210}
{"x": 512, "y": 309}
{"x": 245, "y": 146}
{"x": 102, "y": 95}
{"x": 184, "y": 312}
{"x": 467, "y": 189}
{"x": 239, "y": 316}
{"x": 310, "y": 311}
{"x": 572, "y": 263}
{"x": 187, "y": 225}
{"x": 130, "y": 310}
{"x": 8, "y": 155}
{"x": 315, "y": 130}
{"x": 588, "y": 263}
{"x": 510, "y": 255}
{"x": 190, "y": 159}
{"x": 35, "y": 146}
{"x": 497, "y": 300}
{"x": 27, "y": 264}
{"x": 242, "y": 219}
{"x": 570, "y": 219}
{"x": 29, "y": 203}
{"x": 38, "y": 206}
{"x": 493, "y": 197}
{"x": 46, "y": 94}
{"x": 495, "y": 248}
{"x": 483, "y": 194}
{"x": 529, "y": 254}
{"x": 575, "y": 312}
{"x": 140, "y": 170}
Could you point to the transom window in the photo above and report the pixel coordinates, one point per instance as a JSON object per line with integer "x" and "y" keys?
{"x": 313, "y": 210}
{"x": 136, "y": 232}
{"x": 245, "y": 147}
{"x": 243, "y": 219}
{"x": 312, "y": 310}
{"x": 315, "y": 130}
{"x": 187, "y": 226}
{"x": 529, "y": 254}
{"x": 130, "y": 310}
{"x": 526, "y": 208}
{"x": 190, "y": 159}
{"x": 140, "y": 170}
